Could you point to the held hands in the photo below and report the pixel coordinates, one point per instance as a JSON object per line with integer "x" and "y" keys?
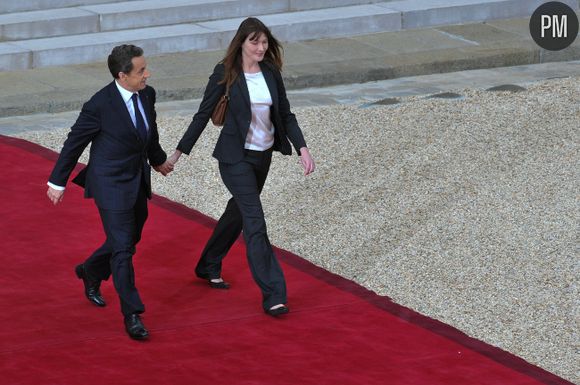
{"x": 164, "y": 168}
{"x": 55, "y": 195}
{"x": 169, "y": 164}
{"x": 307, "y": 161}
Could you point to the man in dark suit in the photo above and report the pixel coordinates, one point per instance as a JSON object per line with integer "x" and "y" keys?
{"x": 119, "y": 122}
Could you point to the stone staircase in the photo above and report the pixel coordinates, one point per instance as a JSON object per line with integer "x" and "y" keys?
{"x": 42, "y": 33}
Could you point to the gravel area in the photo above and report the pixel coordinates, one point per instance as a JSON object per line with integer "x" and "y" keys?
{"x": 465, "y": 210}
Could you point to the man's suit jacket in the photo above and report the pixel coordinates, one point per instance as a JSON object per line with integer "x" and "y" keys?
{"x": 230, "y": 145}
{"x": 118, "y": 161}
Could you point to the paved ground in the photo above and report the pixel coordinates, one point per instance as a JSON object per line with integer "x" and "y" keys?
{"x": 361, "y": 94}
{"x": 317, "y": 63}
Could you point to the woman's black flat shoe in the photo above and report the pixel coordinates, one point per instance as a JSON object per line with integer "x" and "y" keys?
{"x": 218, "y": 285}
{"x": 278, "y": 311}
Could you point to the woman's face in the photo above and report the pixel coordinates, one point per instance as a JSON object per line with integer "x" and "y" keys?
{"x": 254, "y": 50}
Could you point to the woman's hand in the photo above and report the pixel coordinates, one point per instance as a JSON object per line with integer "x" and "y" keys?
{"x": 306, "y": 160}
{"x": 174, "y": 157}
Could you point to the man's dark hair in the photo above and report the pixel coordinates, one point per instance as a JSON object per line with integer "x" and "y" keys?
{"x": 120, "y": 58}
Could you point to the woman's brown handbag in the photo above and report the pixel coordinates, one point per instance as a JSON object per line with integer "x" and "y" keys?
{"x": 219, "y": 112}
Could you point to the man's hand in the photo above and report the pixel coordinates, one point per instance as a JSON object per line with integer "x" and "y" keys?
{"x": 55, "y": 195}
{"x": 164, "y": 168}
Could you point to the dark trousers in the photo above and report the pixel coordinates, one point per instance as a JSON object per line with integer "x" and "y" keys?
{"x": 115, "y": 257}
{"x": 245, "y": 181}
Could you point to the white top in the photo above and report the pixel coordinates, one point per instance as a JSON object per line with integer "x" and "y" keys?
{"x": 261, "y": 133}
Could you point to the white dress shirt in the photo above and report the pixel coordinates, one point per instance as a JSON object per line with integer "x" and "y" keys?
{"x": 126, "y": 95}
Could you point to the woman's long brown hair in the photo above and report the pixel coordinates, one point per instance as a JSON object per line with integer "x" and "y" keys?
{"x": 253, "y": 28}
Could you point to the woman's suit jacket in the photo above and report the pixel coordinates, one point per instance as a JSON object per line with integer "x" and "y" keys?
{"x": 230, "y": 145}
{"x": 118, "y": 161}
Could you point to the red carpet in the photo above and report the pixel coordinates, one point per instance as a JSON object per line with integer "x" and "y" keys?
{"x": 338, "y": 333}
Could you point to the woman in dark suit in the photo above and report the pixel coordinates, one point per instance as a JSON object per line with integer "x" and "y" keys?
{"x": 258, "y": 121}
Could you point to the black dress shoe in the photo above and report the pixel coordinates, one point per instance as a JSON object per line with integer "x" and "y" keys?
{"x": 135, "y": 328}
{"x": 278, "y": 311}
{"x": 218, "y": 285}
{"x": 92, "y": 288}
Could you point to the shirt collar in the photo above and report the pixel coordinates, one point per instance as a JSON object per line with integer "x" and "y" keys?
{"x": 125, "y": 94}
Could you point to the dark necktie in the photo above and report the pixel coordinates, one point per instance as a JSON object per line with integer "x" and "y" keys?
{"x": 141, "y": 128}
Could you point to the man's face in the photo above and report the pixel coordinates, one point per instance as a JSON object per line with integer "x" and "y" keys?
{"x": 135, "y": 80}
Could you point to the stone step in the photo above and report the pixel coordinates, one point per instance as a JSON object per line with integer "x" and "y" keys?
{"x": 149, "y": 13}
{"x": 144, "y": 13}
{"x": 287, "y": 26}
{"x": 202, "y": 36}
{"x": 47, "y": 23}
{"x": 7, "y": 6}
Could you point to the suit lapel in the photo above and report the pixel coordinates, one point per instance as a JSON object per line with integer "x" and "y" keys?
{"x": 121, "y": 108}
{"x": 241, "y": 83}
{"x": 271, "y": 82}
